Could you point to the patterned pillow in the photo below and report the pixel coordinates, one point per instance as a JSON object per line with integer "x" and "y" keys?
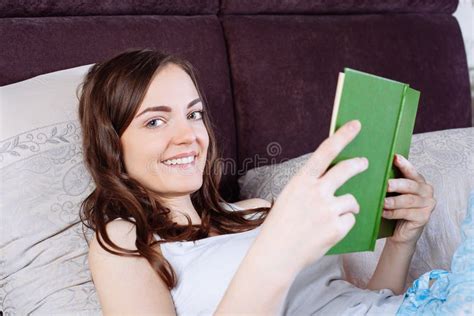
{"x": 445, "y": 158}
{"x": 43, "y": 251}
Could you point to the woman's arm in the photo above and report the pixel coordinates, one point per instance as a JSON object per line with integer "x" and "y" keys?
{"x": 258, "y": 286}
{"x": 286, "y": 242}
{"x": 413, "y": 209}
{"x": 261, "y": 282}
{"x": 392, "y": 268}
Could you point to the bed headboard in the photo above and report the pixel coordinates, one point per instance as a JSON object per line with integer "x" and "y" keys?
{"x": 268, "y": 68}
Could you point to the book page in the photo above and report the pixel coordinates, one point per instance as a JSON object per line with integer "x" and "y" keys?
{"x": 337, "y": 100}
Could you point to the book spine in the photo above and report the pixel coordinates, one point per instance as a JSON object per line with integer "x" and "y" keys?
{"x": 401, "y": 145}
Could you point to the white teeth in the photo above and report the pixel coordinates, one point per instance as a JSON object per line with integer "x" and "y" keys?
{"x": 179, "y": 161}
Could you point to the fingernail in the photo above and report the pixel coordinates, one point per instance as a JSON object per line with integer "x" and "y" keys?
{"x": 355, "y": 125}
{"x": 388, "y": 202}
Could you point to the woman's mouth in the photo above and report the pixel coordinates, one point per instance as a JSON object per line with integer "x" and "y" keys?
{"x": 181, "y": 163}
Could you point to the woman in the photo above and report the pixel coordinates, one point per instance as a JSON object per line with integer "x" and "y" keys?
{"x": 149, "y": 146}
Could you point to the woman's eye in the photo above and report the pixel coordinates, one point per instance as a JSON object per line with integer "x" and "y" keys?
{"x": 154, "y": 123}
{"x": 198, "y": 116}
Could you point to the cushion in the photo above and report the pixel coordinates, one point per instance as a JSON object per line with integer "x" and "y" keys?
{"x": 44, "y": 253}
{"x": 335, "y": 7}
{"x": 11, "y": 8}
{"x": 446, "y": 160}
{"x": 284, "y": 73}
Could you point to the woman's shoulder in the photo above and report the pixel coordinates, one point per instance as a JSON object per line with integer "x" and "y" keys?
{"x": 113, "y": 275}
{"x": 252, "y": 203}
{"x": 120, "y": 232}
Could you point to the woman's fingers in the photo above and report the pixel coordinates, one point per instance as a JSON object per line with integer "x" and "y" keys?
{"x": 346, "y": 203}
{"x": 347, "y": 220}
{"x": 407, "y": 169}
{"x": 329, "y": 149}
{"x": 407, "y": 201}
{"x": 343, "y": 171}
{"x": 420, "y": 216}
{"x": 402, "y": 185}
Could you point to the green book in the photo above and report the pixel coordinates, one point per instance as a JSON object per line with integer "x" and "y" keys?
{"x": 387, "y": 112}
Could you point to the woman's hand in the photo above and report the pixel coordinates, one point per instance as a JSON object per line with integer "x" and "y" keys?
{"x": 307, "y": 219}
{"x": 413, "y": 208}
{"x": 304, "y": 222}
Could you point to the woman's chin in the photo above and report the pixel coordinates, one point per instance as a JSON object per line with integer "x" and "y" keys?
{"x": 188, "y": 185}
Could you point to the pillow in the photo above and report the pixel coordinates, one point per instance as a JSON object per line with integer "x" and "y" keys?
{"x": 446, "y": 160}
{"x": 43, "y": 251}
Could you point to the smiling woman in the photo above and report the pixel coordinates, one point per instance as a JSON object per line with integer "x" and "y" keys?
{"x": 149, "y": 147}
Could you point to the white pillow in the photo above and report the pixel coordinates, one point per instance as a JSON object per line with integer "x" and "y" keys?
{"x": 44, "y": 254}
{"x": 445, "y": 158}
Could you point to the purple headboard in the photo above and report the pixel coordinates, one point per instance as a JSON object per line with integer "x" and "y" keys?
{"x": 268, "y": 68}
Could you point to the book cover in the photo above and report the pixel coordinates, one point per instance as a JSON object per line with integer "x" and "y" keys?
{"x": 387, "y": 112}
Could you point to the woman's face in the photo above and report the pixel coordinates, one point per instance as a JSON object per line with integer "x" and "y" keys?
{"x": 165, "y": 145}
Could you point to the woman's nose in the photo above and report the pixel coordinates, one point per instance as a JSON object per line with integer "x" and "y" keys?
{"x": 184, "y": 132}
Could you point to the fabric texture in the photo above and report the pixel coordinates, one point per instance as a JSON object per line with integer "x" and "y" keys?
{"x": 335, "y": 7}
{"x": 44, "y": 267}
{"x": 15, "y": 8}
{"x": 452, "y": 291}
{"x": 321, "y": 289}
{"x": 444, "y": 158}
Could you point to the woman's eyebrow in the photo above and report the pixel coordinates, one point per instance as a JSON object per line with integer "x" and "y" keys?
{"x": 165, "y": 108}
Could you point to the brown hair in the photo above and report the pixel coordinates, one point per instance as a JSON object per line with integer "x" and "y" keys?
{"x": 111, "y": 94}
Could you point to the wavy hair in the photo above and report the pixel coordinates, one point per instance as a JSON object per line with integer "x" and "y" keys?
{"x": 110, "y": 96}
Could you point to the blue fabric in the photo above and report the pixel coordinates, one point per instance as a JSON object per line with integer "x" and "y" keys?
{"x": 452, "y": 293}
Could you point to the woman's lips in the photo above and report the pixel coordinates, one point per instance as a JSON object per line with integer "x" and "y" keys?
{"x": 182, "y": 155}
{"x": 192, "y": 164}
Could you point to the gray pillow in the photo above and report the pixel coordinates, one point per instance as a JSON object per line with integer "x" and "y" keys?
{"x": 445, "y": 158}
{"x": 44, "y": 266}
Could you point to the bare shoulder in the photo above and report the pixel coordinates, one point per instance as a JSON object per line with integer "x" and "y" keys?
{"x": 252, "y": 203}
{"x": 121, "y": 232}
{"x": 126, "y": 285}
